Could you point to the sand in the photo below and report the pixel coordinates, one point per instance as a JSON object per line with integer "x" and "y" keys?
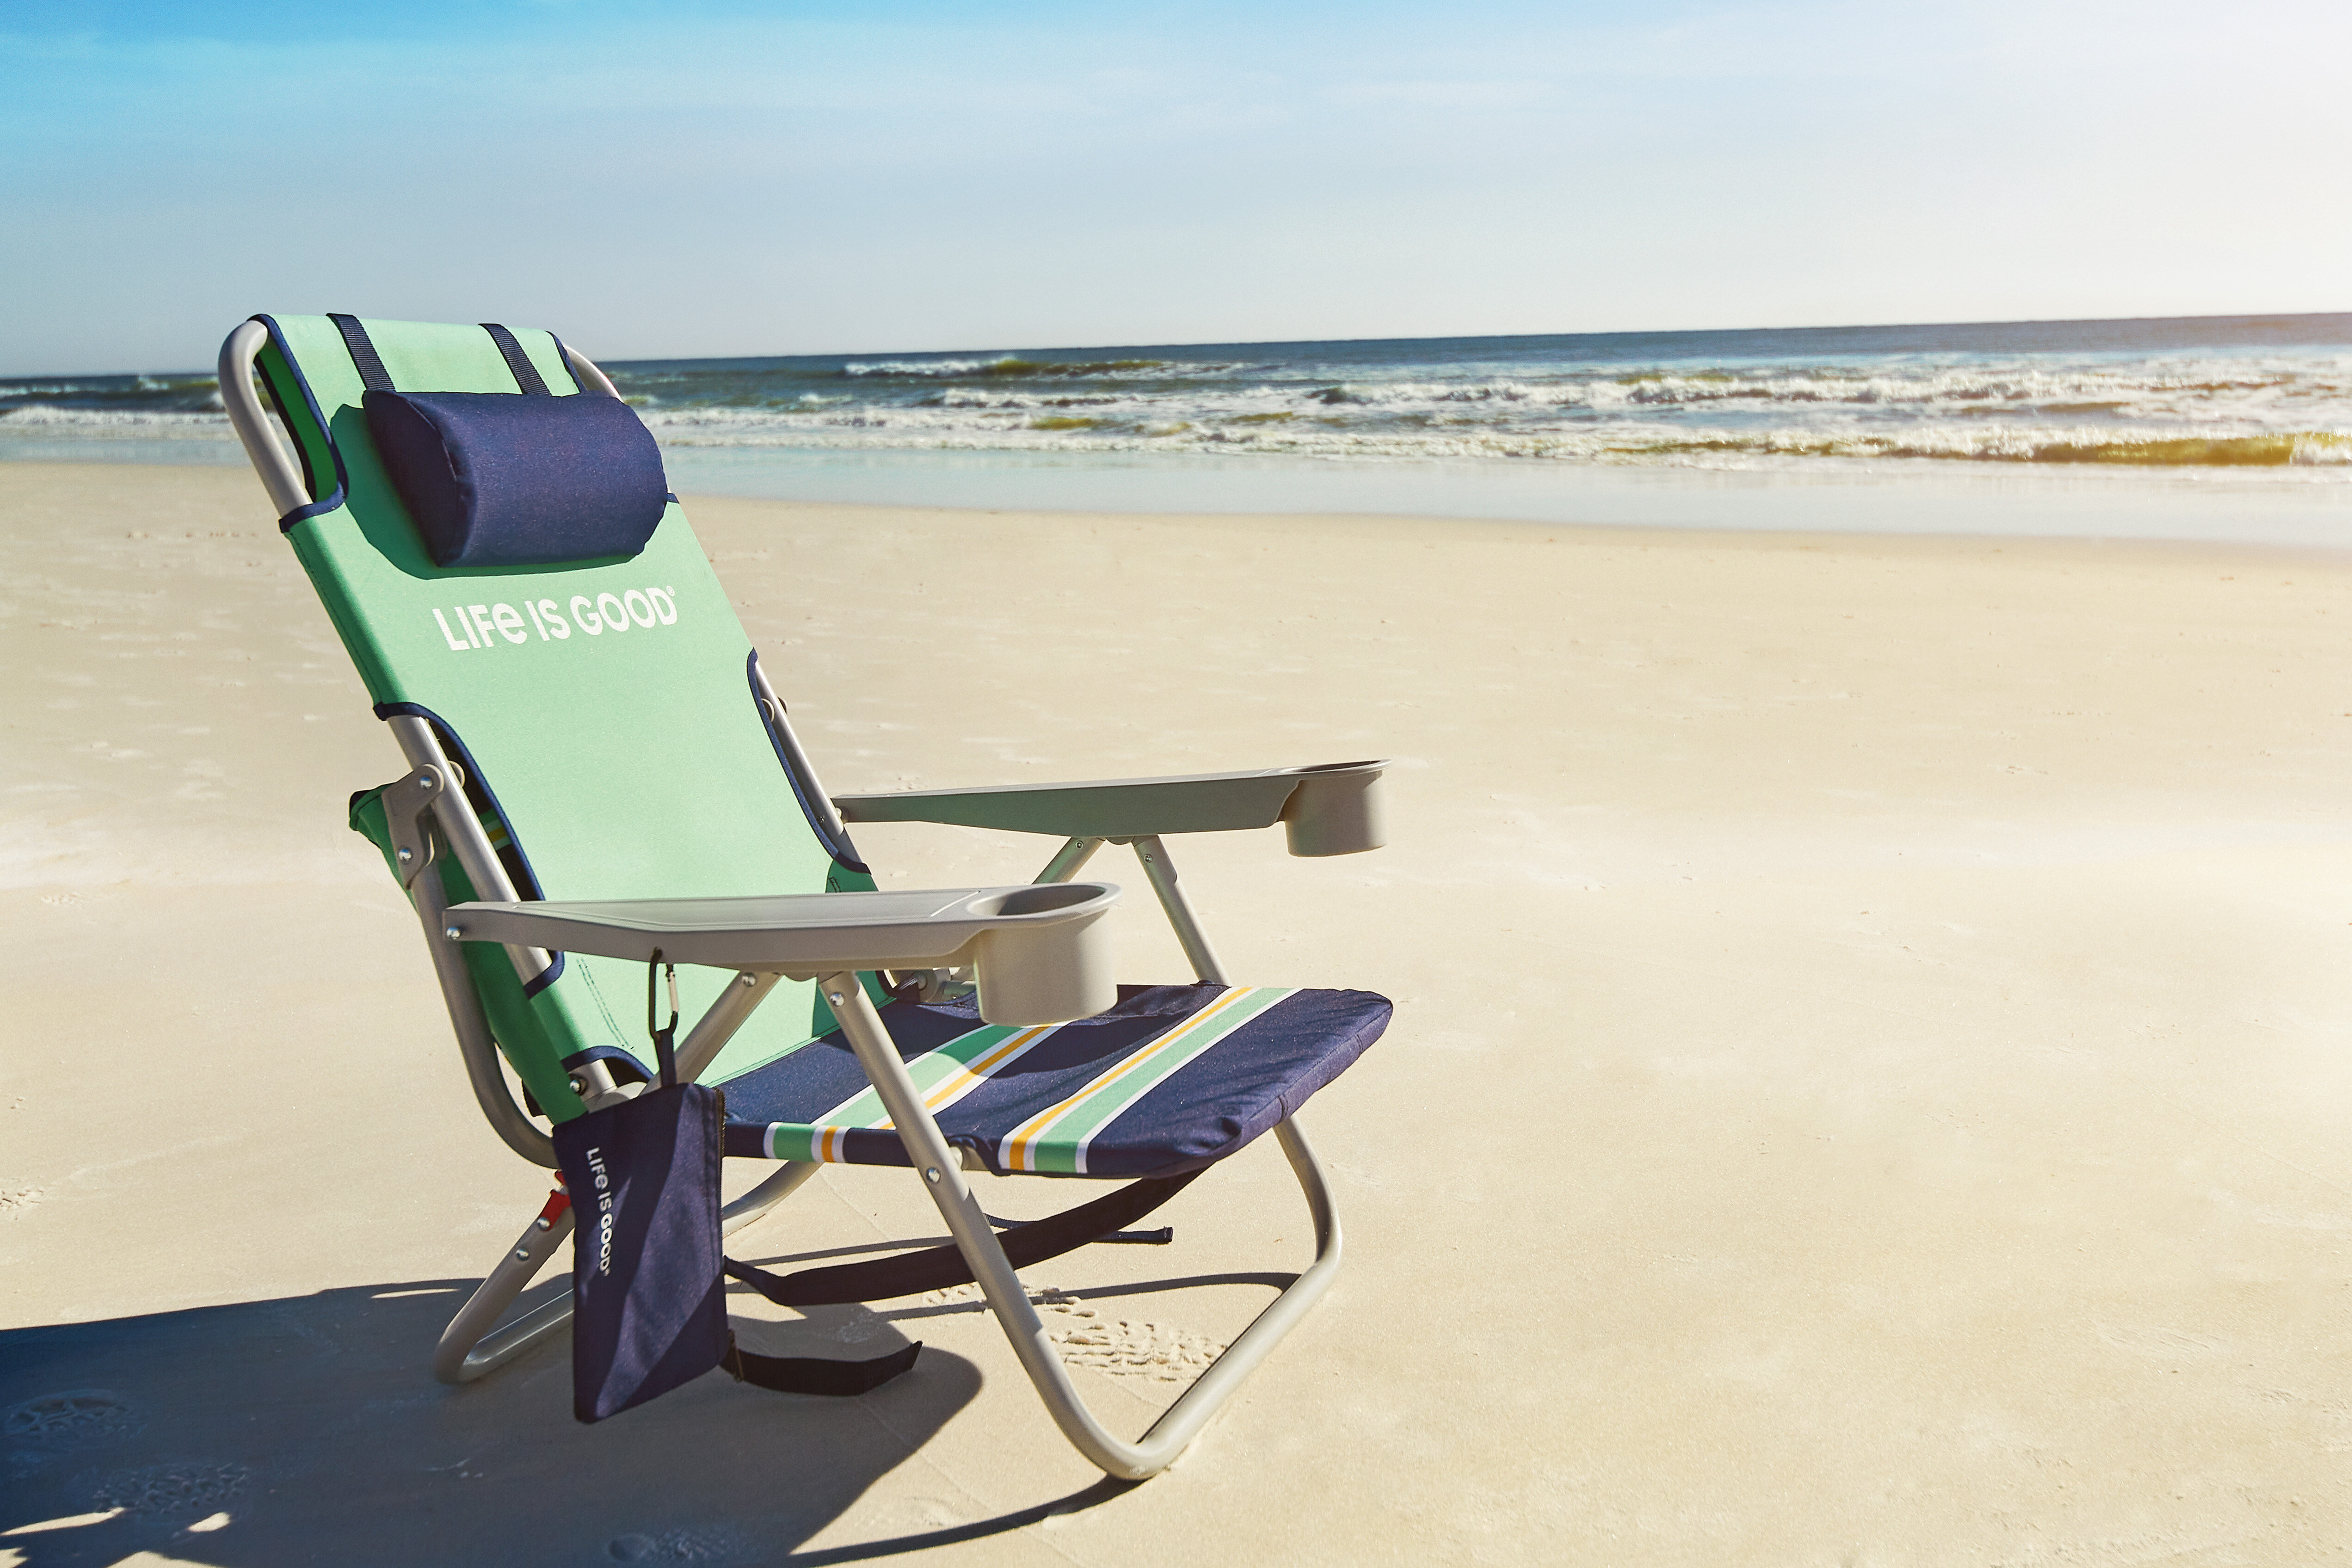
{"x": 1867, "y": 1082}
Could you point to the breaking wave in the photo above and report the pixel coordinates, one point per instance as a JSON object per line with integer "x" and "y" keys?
{"x": 2224, "y": 394}
{"x": 144, "y": 420}
{"x": 1007, "y": 365}
{"x": 2240, "y": 395}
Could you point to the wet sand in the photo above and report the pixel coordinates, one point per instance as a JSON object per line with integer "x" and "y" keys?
{"x": 1867, "y": 1084}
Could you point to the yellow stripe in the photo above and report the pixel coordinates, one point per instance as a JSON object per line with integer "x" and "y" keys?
{"x": 831, "y": 1140}
{"x": 1016, "y": 1145}
{"x": 975, "y": 1072}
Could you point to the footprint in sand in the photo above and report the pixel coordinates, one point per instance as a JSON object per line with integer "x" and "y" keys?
{"x": 171, "y": 1492}
{"x": 1090, "y": 1337}
{"x": 1126, "y": 1347}
{"x": 705, "y": 1544}
{"x": 77, "y": 1419}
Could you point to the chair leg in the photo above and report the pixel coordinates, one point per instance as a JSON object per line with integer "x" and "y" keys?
{"x": 470, "y": 1347}
{"x": 942, "y": 1173}
{"x": 1182, "y": 1421}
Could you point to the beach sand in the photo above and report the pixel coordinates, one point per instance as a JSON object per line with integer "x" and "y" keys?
{"x": 1867, "y": 1084}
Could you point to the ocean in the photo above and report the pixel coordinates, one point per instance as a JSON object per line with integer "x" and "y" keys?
{"x": 1545, "y": 427}
{"x": 2233, "y": 391}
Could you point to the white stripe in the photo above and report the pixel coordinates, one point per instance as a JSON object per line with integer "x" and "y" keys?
{"x": 1228, "y": 1025}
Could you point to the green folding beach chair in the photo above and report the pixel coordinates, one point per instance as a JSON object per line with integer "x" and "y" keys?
{"x": 599, "y": 774}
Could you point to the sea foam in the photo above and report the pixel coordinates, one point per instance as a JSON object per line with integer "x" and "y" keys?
{"x": 2240, "y": 393}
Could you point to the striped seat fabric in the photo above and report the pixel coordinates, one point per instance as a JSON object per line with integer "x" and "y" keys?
{"x": 1173, "y": 1079}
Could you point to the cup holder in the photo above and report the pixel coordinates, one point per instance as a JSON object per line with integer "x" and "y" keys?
{"x": 1339, "y": 809}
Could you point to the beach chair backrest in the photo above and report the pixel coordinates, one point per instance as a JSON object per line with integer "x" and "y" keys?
{"x": 603, "y": 709}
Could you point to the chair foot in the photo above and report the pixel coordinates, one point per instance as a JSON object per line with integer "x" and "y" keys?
{"x": 473, "y": 1345}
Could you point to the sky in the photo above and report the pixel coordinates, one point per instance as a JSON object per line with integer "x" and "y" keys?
{"x": 719, "y": 179}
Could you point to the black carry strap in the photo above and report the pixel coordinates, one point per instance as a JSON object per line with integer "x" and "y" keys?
{"x": 374, "y": 377}
{"x": 526, "y": 374}
{"x": 371, "y": 365}
{"x": 784, "y": 1373}
{"x": 810, "y": 1375}
{"x": 936, "y": 1267}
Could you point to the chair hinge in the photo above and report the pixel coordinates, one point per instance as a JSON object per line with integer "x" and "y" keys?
{"x": 408, "y": 815}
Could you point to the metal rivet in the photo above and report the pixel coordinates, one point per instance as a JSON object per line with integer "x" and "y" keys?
{"x": 747, "y": 979}
{"x": 522, "y": 1254}
{"x": 544, "y": 1223}
{"x": 833, "y": 996}
{"x": 454, "y": 932}
{"x": 579, "y": 1085}
{"x": 408, "y": 855}
{"x": 933, "y": 1173}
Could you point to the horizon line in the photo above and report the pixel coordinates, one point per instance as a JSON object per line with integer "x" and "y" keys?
{"x": 1291, "y": 342}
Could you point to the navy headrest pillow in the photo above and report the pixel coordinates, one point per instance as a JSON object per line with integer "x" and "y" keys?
{"x": 508, "y": 479}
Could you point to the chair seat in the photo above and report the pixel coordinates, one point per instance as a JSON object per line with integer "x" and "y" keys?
{"x": 1171, "y": 1080}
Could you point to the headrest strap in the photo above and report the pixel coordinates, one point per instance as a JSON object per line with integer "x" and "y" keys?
{"x": 526, "y": 374}
{"x": 364, "y": 354}
{"x": 373, "y": 376}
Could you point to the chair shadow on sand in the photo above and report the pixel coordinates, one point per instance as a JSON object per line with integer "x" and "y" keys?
{"x": 311, "y": 1424}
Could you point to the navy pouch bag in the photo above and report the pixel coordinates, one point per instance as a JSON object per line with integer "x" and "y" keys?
{"x": 649, "y": 1306}
{"x": 648, "y": 1301}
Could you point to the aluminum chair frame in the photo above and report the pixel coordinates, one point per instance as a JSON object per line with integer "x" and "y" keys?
{"x": 430, "y": 820}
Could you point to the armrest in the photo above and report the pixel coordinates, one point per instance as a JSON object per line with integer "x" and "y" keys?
{"x": 1331, "y": 809}
{"x": 1035, "y": 951}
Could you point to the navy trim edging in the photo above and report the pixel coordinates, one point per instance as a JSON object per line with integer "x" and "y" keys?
{"x": 311, "y": 401}
{"x": 565, "y": 356}
{"x": 841, "y": 850}
{"x": 547, "y": 977}
{"x": 301, "y": 452}
{"x": 529, "y": 890}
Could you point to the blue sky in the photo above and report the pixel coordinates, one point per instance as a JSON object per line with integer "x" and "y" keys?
{"x": 733, "y": 179}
